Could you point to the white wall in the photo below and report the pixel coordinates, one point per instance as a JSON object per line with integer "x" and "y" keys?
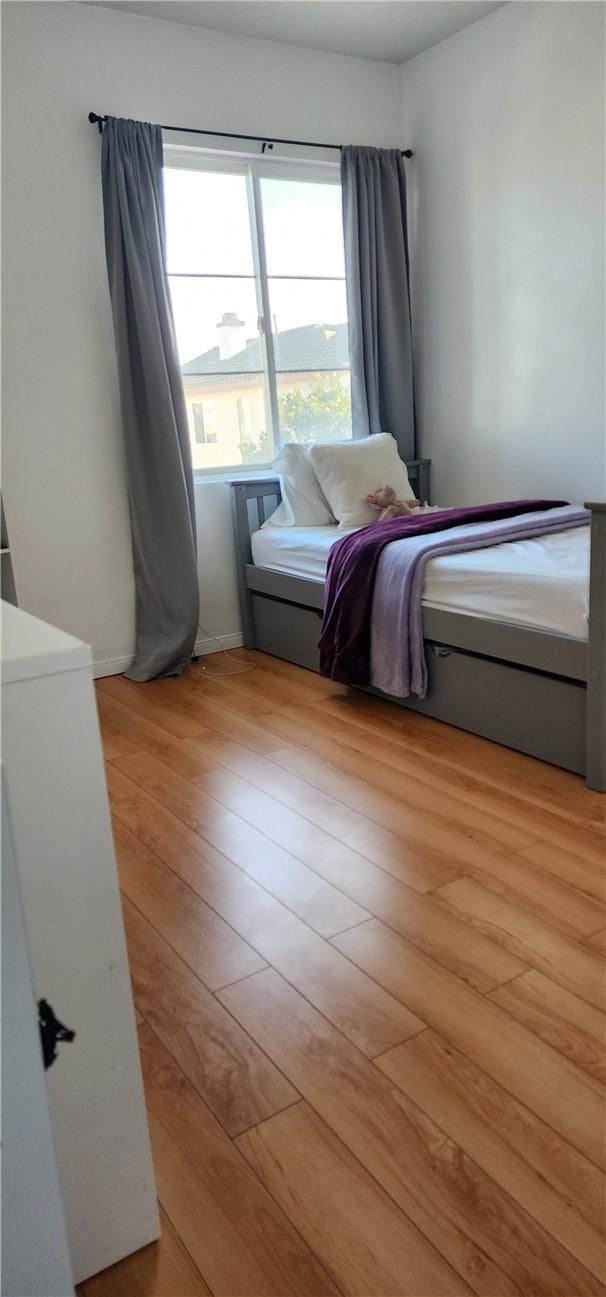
{"x": 63, "y": 472}
{"x": 507, "y": 123}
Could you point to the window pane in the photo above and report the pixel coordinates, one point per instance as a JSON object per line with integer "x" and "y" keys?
{"x": 314, "y": 407}
{"x": 205, "y": 418}
{"x": 309, "y": 324}
{"x": 303, "y": 228}
{"x": 217, "y": 325}
{"x": 207, "y": 223}
{"x": 227, "y": 420}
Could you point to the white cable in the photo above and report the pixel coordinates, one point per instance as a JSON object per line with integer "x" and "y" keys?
{"x": 221, "y": 675}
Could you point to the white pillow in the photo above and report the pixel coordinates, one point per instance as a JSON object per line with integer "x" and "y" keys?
{"x": 349, "y": 470}
{"x": 303, "y": 504}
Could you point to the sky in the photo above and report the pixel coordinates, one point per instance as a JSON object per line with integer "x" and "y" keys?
{"x": 208, "y": 234}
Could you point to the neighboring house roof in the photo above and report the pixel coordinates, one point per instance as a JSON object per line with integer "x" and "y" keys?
{"x": 314, "y": 346}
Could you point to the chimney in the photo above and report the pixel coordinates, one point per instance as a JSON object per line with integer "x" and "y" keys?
{"x": 230, "y": 338}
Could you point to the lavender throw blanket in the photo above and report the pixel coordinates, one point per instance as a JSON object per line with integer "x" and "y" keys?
{"x": 345, "y": 642}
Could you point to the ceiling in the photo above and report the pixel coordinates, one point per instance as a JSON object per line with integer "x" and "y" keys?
{"x": 389, "y": 30}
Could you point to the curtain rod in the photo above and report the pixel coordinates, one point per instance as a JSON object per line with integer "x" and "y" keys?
{"x": 266, "y": 141}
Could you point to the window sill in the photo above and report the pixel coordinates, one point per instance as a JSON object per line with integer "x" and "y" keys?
{"x": 264, "y": 472}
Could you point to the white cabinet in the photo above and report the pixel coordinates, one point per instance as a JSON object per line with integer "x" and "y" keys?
{"x": 67, "y": 874}
{"x": 35, "y": 1256}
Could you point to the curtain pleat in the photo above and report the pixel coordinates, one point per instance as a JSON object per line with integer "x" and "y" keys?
{"x": 378, "y": 294}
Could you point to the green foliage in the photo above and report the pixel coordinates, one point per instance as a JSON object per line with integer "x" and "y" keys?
{"x": 256, "y": 452}
{"x": 323, "y": 413}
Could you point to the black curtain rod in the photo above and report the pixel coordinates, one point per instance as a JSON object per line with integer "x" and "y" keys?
{"x": 266, "y": 142}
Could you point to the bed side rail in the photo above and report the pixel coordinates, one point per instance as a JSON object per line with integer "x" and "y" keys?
{"x": 596, "y": 664}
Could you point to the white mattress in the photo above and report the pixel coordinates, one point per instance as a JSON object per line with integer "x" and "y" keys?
{"x": 543, "y": 583}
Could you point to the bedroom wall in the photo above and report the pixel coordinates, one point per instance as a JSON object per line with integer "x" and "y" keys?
{"x": 507, "y": 123}
{"x": 63, "y": 471}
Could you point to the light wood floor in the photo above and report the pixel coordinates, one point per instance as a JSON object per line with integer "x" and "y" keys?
{"x": 367, "y": 953}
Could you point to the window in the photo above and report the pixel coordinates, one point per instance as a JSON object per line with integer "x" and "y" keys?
{"x": 242, "y": 425}
{"x": 203, "y": 418}
{"x": 256, "y": 272}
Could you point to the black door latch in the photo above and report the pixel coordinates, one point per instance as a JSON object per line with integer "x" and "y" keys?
{"x": 52, "y": 1032}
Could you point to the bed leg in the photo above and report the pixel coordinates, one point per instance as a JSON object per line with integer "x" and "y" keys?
{"x": 239, "y": 505}
{"x": 596, "y": 658}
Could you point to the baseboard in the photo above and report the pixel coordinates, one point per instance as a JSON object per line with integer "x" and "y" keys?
{"x": 110, "y": 667}
{"x": 203, "y": 646}
{"x": 116, "y": 666}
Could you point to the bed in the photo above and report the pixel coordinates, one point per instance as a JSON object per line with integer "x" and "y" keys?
{"x": 515, "y": 635}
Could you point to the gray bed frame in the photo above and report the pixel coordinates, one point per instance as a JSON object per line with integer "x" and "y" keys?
{"x": 537, "y": 692}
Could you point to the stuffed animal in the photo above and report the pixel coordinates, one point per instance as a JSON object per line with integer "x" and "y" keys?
{"x": 383, "y": 500}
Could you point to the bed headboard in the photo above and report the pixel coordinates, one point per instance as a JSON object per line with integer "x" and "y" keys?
{"x": 254, "y": 500}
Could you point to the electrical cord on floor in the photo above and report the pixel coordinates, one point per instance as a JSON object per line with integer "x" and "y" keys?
{"x": 222, "y": 675}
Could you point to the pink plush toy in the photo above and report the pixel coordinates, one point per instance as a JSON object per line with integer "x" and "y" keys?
{"x": 386, "y": 505}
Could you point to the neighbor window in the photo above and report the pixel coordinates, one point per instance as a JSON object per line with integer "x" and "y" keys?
{"x": 257, "y": 279}
{"x": 203, "y": 415}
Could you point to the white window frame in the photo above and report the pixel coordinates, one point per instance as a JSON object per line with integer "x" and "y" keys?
{"x": 255, "y": 169}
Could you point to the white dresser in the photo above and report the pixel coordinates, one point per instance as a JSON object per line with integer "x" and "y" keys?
{"x": 58, "y": 809}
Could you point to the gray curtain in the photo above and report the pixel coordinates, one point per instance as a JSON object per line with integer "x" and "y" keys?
{"x": 158, "y": 454}
{"x": 378, "y": 294}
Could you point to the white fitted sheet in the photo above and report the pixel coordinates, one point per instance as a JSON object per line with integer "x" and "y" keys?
{"x": 543, "y": 583}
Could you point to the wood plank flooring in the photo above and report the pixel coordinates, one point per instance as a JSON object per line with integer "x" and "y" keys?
{"x": 368, "y": 955}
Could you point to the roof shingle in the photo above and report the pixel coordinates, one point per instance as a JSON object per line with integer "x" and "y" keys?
{"x": 311, "y": 347}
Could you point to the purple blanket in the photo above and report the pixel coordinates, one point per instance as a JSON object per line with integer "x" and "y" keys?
{"x": 352, "y": 569}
